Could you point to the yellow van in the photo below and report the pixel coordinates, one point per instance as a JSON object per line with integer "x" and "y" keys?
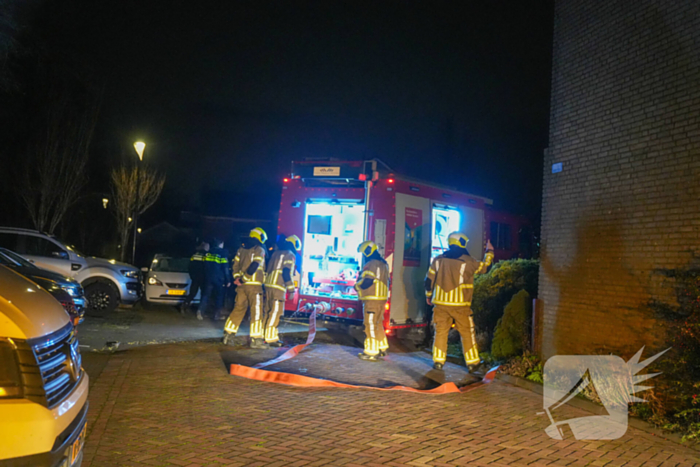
{"x": 43, "y": 388}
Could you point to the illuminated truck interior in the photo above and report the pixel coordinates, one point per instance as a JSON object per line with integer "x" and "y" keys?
{"x": 445, "y": 221}
{"x": 332, "y": 232}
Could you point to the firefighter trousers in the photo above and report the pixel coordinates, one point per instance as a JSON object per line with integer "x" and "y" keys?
{"x": 443, "y": 318}
{"x": 375, "y": 338}
{"x": 247, "y": 296}
{"x": 274, "y": 309}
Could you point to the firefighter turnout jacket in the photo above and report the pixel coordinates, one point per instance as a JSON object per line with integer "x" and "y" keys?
{"x": 216, "y": 267}
{"x": 373, "y": 283}
{"x": 279, "y": 271}
{"x": 249, "y": 265}
{"x": 450, "y": 279}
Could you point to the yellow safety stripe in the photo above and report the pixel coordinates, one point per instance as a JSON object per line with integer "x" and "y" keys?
{"x": 439, "y": 356}
{"x": 258, "y": 259}
{"x": 431, "y": 271}
{"x": 428, "y": 293}
{"x": 256, "y": 329}
{"x": 471, "y": 356}
{"x": 236, "y": 275}
{"x": 272, "y": 278}
{"x": 289, "y": 262}
{"x": 371, "y": 346}
{"x": 274, "y": 286}
{"x": 291, "y": 287}
{"x": 436, "y": 302}
{"x": 367, "y": 273}
{"x": 454, "y": 297}
{"x": 271, "y": 334}
{"x": 383, "y": 344}
{"x": 230, "y": 327}
{"x": 252, "y": 283}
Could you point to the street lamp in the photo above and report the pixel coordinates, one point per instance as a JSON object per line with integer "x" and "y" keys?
{"x": 139, "y": 147}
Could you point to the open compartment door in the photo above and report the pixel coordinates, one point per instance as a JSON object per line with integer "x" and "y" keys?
{"x": 411, "y": 259}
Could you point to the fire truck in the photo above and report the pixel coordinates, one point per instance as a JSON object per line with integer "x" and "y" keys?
{"x": 333, "y": 206}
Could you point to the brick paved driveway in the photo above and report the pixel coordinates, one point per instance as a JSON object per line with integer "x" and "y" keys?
{"x": 175, "y": 405}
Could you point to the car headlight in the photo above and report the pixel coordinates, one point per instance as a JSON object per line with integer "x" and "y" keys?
{"x": 72, "y": 291}
{"x": 10, "y": 381}
{"x": 130, "y": 273}
{"x": 154, "y": 281}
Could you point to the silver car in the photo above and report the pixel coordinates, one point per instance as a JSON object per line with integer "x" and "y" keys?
{"x": 168, "y": 280}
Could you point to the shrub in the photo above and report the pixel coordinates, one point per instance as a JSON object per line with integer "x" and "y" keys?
{"x": 678, "y": 388}
{"x": 511, "y": 335}
{"x": 527, "y": 366}
{"x": 493, "y": 290}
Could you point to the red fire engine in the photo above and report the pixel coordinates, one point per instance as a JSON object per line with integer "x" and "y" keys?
{"x": 335, "y": 205}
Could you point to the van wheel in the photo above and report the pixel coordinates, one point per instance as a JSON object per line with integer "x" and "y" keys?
{"x": 102, "y": 298}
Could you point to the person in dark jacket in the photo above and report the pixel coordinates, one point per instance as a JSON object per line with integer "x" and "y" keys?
{"x": 217, "y": 276}
{"x": 196, "y": 270}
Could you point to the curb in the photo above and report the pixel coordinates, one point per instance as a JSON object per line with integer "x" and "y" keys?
{"x": 596, "y": 409}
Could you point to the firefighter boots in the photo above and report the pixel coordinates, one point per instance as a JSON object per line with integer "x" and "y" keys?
{"x": 258, "y": 343}
{"x": 368, "y": 358}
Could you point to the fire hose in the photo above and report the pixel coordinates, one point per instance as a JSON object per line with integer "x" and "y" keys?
{"x": 257, "y": 372}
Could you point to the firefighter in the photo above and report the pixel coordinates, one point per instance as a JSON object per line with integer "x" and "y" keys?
{"x": 449, "y": 286}
{"x": 217, "y": 276}
{"x": 373, "y": 289}
{"x": 196, "y": 270}
{"x": 249, "y": 275}
{"x": 279, "y": 286}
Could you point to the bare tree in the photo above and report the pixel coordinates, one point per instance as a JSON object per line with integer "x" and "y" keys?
{"x": 55, "y": 169}
{"x": 126, "y": 183}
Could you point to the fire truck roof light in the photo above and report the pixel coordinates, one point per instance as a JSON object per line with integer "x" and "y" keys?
{"x": 285, "y": 180}
{"x": 391, "y": 180}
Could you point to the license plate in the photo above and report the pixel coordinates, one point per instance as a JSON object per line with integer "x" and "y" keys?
{"x": 78, "y": 445}
{"x": 176, "y": 292}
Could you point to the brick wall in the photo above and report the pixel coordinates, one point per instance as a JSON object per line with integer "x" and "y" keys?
{"x": 625, "y": 124}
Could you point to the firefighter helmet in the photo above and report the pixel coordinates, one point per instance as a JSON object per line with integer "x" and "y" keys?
{"x": 457, "y": 239}
{"x": 294, "y": 240}
{"x": 259, "y": 234}
{"x": 367, "y": 248}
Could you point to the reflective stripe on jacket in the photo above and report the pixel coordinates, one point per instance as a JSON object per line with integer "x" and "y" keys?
{"x": 452, "y": 279}
{"x": 281, "y": 260}
{"x": 378, "y": 271}
{"x": 241, "y": 263}
{"x": 216, "y": 269}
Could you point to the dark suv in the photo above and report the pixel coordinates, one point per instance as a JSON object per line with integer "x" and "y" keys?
{"x": 64, "y": 289}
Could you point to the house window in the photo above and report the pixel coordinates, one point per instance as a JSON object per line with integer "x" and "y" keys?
{"x": 501, "y": 236}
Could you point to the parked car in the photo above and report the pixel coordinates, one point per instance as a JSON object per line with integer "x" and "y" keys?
{"x": 67, "y": 291}
{"x": 107, "y": 283}
{"x": 168, "y": 280}
{"x": 43, "y": 387}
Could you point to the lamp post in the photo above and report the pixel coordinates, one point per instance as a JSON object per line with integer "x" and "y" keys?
{"x": 139, "y": 146}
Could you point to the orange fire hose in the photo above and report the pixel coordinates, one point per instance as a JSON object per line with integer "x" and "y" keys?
{"x": 257, "y": 373}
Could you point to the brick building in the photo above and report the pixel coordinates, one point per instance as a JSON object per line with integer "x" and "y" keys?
{"x": 624, "y": 205}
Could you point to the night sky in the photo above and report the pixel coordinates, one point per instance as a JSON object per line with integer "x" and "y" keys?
{"x": 227, "y": 93}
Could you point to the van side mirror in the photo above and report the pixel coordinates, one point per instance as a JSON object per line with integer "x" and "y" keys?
{"x": 60, "y": 254}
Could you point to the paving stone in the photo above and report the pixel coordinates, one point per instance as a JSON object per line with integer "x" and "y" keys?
{"x": 177, "y": 405}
